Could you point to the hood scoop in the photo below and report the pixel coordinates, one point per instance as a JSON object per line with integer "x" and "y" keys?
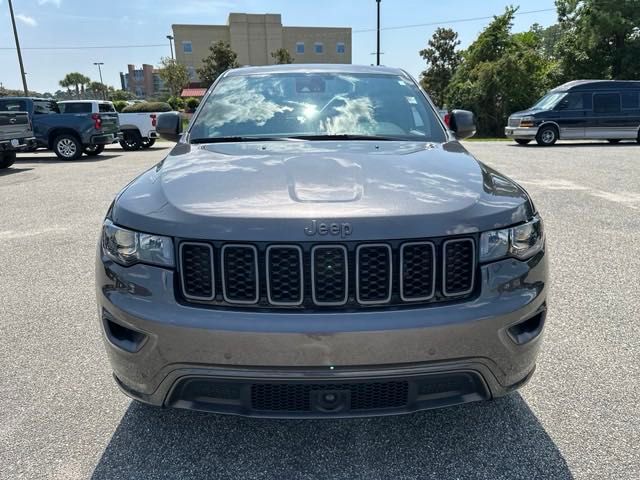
{"x": 323, "y": 179}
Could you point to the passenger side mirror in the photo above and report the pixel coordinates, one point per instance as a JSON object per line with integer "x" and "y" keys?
{"x": 170, "y": 126}
{"x": 463, "y": 124}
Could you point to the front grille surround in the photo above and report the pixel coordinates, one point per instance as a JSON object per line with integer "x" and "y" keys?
{"x": 359, "y": 296}
{"x": 184, "y": 281}
{"x": 269, "y": 270}
{"x": 225, "y": 287}
{"x": 314, "y": 268}
{"x": 348, "y": 300}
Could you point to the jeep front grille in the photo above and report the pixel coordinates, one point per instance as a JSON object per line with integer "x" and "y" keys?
{"x": 316, "y": 276}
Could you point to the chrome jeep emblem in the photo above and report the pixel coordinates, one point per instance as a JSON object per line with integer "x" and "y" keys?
{"x": 335, "y": 229}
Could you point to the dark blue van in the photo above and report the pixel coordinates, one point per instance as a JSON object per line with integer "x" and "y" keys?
{"x": 581, "y": 110}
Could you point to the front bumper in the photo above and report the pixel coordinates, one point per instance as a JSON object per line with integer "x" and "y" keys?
{"x": 435, "y": 355}
{"x": 521, "y": 133}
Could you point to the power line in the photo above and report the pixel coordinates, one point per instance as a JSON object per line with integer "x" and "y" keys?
{"x": 395, "y": 27}
{"x": 441, "y": 22}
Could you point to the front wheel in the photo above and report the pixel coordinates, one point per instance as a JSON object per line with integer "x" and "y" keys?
{"x": 148, "y": 142}
{"x": 547, "y": 136}
{"x": 613, "y": 141}
{"x": 522, "y": 141}
{"x": 93, "y": 150}
{"x": 67, "y": 147}
{"x": 131, "y": 140}
{"x": 7, "y": 159}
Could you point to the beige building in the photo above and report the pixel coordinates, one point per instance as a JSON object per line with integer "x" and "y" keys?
{"x": 254, "y": 37}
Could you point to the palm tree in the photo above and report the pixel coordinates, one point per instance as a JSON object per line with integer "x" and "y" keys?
{"x": 76, "y": 80}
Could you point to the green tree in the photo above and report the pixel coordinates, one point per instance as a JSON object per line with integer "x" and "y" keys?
{"x": 600, "y": 38}
{"x": 500, "y": 73}
{"x": 221, "y": 59}
{"x": 442, "y": 60}
{"x": 120, "y": 95}
{"x": 174, "y": 75}
{"x": 76, "y": 80}
{"x": 282, "y": 56}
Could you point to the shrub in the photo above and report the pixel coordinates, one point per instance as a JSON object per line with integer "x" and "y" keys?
{"x": 176, "y": 103}
{"x": 147, "y": 107}
{"x": 120, "y": 105}
{"x": 192, "y": 103}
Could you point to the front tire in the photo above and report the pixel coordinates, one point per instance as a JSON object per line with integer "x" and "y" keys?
{"x": 93, "y": 150}
{"x": 547, "y": 136}
{"x": 7, "y": 159}
{"x": 131, "y": 141}
{"x": 522, "y": 141}
{"x": 613, "y": 141}
{"x": 148, "y": 143}
{"x": 67, "y": 147}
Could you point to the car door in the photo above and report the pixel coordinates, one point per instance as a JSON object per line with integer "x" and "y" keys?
{"x": 571, "y": 115}
{"x": 611, "y": 121}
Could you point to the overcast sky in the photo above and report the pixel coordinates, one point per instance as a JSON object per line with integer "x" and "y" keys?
{"x": 86, "y": 23}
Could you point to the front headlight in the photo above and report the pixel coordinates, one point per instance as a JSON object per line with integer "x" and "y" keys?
{"x": 127, "y": 247}
{"x": 527, "y": 122}
{"x": 521, "y": 242}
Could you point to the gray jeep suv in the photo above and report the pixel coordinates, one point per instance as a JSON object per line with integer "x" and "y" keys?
{"x": 318, "y": 243}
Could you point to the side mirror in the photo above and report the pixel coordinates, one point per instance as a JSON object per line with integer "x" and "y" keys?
{"x": 463, "y": 124}
{"x": 169, "y": 126}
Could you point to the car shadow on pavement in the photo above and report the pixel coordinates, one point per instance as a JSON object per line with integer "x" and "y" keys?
{"x": 34, "y": 158}
{"x": 12, "y": 170}
{"x": 629, "y": 144}
{"x": 501, "y": 439}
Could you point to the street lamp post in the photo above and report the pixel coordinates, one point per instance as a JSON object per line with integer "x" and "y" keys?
{"x": 378, "y": 32}
{"x": 15, "y": 34}
{"x": 99, "y": 64}
{"x": 170, "y": 38}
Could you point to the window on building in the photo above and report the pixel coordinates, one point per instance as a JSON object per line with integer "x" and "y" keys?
{"x": 187, "y": 46}
{"x": 300, "y": 47}
{"x": 191, "y": 71}
{"x": 319, "y": 47}
{"x": 631, "y": 100}
{"x": 606, "y": 102}
{"x": 340, "y": 48}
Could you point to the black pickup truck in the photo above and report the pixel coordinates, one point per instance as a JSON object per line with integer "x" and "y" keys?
{"x": 69, "y": 135}
{"x": 15, "y": 134}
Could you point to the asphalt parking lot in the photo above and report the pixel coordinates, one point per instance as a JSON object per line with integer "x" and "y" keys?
{"x": 62, "y": 417}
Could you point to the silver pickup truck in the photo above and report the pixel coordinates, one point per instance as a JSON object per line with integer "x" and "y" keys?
{"x": 16, "y": 134}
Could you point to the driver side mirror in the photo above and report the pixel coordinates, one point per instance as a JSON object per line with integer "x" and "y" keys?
{"x": 170, "y": 126}
{"x": 463, "y": 124}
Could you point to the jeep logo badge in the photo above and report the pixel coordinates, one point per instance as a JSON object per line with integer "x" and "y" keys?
{"x": 335, "y": 229}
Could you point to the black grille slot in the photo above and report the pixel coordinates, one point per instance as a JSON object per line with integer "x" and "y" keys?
{"x": 296, "y": 397}
{"x": 459, "y": 267}
{"x": 196, "y": 260}
{"x": 240, "y": 274}
{"x": 417, "y": 271}
{"x": 374, "y": 273}
{"x": 284, "y": 275}
{"x": 330, "y": 273}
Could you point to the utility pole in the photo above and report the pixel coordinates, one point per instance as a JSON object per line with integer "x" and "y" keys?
{"x": 15, "y": 34}
{"x": 170, "y": 38}
{"x": 104, "y": 93}
{"x": 378, "y": 49}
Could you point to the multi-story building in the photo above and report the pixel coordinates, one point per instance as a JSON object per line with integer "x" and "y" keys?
{"x": 254, "y": 37}
{"x": 142, "y": 82}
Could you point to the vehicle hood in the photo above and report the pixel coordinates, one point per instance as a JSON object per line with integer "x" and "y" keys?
{"x": 274, "y": 190}
{"x": 531, "y": 112}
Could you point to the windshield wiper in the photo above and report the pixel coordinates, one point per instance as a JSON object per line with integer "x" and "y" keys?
{"x": 345, "y": 136}
{"x": 236, "y": 139}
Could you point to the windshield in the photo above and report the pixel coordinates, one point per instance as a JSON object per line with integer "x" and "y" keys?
{"x": 549, "y": 101}
{"x": 317, "y": 105}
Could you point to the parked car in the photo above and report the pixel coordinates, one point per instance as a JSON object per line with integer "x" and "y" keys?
{"x": 69, "y": 135}
{"x": 581, "y": 110}
{"x": 16, "y": 134}
{"x": 318, "y": 243}
{"x": 138, "y": 129}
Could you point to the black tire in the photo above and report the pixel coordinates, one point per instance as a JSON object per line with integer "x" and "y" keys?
{"x": 7, "y": 159}
{"x": 522, "y": 141}
{"x": 93, "y": 150}
{"x": 67, "y": 147}
{"x": 148, "y": 143}
{"x": 131, "y": 141}
{"x": 613, "y": 141}
{"x": 547, "y": 135}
